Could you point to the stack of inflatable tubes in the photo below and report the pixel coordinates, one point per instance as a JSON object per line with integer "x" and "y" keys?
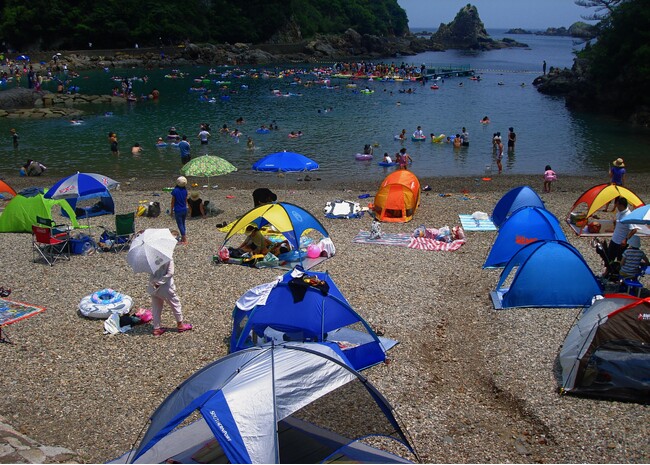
{"x": 103, "y": 303}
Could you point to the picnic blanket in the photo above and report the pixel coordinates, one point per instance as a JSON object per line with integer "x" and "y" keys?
{"x": 470, "y": 223}
{"x": 12, "y": 311}
{"x": 407, "y": 240}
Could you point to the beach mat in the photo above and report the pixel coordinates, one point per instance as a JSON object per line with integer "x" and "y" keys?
{"x": 407, "y": 240}
{"x": 12, "y": 311}
{"x": 471, "y": 224}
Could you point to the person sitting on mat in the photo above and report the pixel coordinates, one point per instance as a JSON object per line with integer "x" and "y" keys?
{"x": 256, "y": 243}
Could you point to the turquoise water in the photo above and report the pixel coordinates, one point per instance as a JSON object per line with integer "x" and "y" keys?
{"x": 572, "y": 143}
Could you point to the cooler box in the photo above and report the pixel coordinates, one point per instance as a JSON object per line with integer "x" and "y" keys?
{"x": 78, "y": 245}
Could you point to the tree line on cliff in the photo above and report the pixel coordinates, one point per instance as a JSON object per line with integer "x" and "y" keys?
{"x": 64, "y": 24}
{"x": 611, "y": 75}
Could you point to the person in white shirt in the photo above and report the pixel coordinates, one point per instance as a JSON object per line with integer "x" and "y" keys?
{"x": 622, "y": 232}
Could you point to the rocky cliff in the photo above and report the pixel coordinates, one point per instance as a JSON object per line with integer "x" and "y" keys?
{"x": 467, "y": 32}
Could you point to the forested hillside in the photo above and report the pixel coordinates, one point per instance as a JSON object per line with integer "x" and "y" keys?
{"x": 67, "y": 24}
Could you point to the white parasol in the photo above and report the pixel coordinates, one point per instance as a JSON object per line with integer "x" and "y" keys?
{"x": 150, "y": 250}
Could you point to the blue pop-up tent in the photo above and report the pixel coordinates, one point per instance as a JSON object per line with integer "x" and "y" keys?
{"x": 284, "y": 403}
{"x": 546, "y": 274}
{"x": 512, "y": 201}
{"x": 526, "y": 225}
{"x": 294, "y": 310}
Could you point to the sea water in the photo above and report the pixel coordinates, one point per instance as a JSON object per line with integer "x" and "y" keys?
{"x": 337, "y": 122}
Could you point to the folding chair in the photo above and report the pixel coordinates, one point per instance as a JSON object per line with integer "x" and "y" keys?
{"x": 56, "y": 228}
{"x": 124, "y": 232}
{"x": 49, "y": 246}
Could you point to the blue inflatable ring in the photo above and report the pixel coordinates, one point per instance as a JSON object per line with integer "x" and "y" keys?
{"x": 106, "y": 297}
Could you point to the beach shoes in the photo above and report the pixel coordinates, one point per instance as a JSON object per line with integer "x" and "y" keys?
{"x": 159, "y": 331}
{"x": 4, "y": 292}
{"x": 184, "y": 327}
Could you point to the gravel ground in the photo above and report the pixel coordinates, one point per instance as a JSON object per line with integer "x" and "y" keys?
{"x": 471, "y": 384}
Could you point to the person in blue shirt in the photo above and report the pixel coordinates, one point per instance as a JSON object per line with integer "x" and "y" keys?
{"x": 179, "y": 206}
{"x": 184, "y": 147}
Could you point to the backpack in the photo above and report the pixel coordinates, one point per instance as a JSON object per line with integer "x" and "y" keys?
{"x": 153, "y": 211}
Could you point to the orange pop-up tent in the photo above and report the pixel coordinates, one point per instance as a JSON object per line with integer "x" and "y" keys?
{"x": 398, "y": 197}
{"x": 7, "y": 189}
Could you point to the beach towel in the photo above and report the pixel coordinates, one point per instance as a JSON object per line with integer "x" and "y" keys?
{"x": 407, "y": 240}
{"x": 343, "y": 209}
{"x": 476, "y": 222}
{"x": 12, "y": 311}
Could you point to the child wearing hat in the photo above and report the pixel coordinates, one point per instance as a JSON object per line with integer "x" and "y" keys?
{"x": 179, "y": 206}
{"x": 634, "y": 259}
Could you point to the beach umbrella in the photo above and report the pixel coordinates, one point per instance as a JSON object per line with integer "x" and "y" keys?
{"x": 285, "y": 162}
{"x": 207, "y": 166}
{"x": 80, "y": 185}
{"x": 639, "y": 215}
{"x": 22, "y": 58}
{"x": 150, "y": 250}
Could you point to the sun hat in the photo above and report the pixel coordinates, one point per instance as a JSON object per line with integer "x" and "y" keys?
{"x": 619, "y": 163}
{"x": 634, "y": 241}
{"x": 194, "y": 195}
{"x": 181, "y": 181}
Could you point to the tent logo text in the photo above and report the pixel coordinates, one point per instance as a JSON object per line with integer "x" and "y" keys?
{"x": 643, "y": 317}
{"x": 214, "y": 416}
{"x": 524, "y": 240}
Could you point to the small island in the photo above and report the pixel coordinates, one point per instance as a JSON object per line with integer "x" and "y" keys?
{"x": 579, "y": 29}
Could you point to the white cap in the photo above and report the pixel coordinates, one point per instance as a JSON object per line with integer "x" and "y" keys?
{"x": 181, "y": 181}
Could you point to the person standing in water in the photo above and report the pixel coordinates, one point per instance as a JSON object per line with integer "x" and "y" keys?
{"x": 112, "y": 139}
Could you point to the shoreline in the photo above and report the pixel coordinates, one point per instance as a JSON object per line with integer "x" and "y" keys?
{"x": 470, "y": 384}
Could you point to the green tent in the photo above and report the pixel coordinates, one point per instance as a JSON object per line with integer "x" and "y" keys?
{"x": 20, "y": 213}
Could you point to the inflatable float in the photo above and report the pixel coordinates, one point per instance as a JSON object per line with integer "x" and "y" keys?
{"x": 438, "y": 139}
{"x": 435, "y": 87}
{"x": 366, "y": 91}
{"x": 385, "y": 163}
{"x": 397, "y": 137}
{"x": 363, "y": 156}
{"x": 262, "y": 131}
{"x": 418, "y": 138}
{"x": 161, "y": 144}
{"x": 102, "y": 304}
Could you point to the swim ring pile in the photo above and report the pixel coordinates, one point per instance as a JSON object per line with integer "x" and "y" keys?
{"x": 103, "y": 303}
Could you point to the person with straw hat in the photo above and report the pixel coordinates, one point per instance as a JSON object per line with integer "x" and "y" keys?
{"x": 196, "y": 205}
{"x": 616, "y": 176}
{"x": 178, "y": 206}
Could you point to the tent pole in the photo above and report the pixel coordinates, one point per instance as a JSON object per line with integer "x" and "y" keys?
{"x": 275, "y": 408}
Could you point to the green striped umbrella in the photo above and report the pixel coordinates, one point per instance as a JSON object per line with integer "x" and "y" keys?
{"x": 207, "y": 166}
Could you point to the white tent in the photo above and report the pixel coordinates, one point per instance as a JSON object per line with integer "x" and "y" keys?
{"x": 252, "y": 401}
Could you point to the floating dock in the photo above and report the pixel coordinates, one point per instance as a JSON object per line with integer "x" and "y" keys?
{"x": 447, "y": 71}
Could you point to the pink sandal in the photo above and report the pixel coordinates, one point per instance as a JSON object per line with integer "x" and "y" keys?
{"x": 159, "y": 331}
{"x": 184, "y": 327}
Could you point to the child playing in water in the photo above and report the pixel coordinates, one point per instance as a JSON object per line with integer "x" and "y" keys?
{"x": 549, "y": 177}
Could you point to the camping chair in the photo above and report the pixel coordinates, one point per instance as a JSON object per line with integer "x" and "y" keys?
{"x": 56, "y": 228}
{"x": 49, "y": 246}
{"x": 612, "y": 267}
{"x": 124, "y": 233}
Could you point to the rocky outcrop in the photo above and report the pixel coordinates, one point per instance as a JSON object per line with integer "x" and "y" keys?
{"x": 578, "y": 29}
{"x": 30, "y": 104}
{"x": 467, "y": 32}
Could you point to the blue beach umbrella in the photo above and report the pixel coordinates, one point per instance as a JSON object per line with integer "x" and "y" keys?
{"x": 22, "y": 58}
{"x": 285, "y": 162}
{"x": 80, "y": 185}
{"x": 639, "y": 215}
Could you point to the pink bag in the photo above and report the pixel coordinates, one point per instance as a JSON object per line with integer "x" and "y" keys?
{"x": 144, "y": 314}
{"x": 224, "y": 255}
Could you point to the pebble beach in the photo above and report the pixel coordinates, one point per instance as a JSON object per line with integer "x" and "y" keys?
{"x": 469, "y": 383}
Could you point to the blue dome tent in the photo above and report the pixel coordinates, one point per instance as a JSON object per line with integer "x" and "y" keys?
{"x": 526, "y": 225}
{"x": 512, "y": 201}
{"x": 291, "y": 310}
{"x": 548, "y": 273}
